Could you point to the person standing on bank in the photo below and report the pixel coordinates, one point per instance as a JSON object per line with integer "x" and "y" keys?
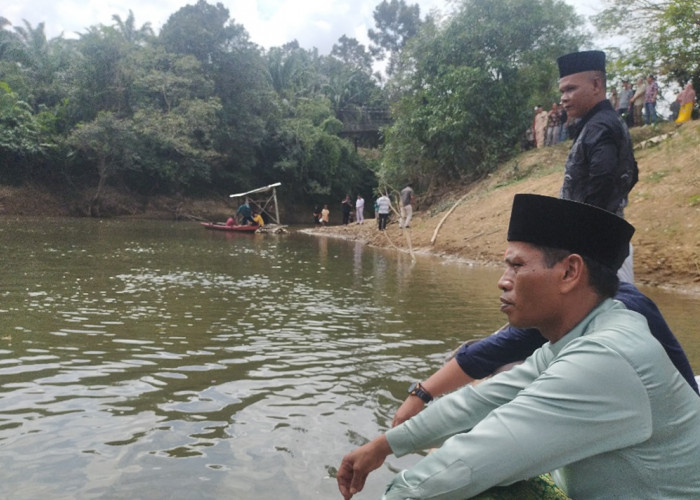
{"x": 406, "y": 206}
{"x": 638, "y": 102}
{"x": 360, "y": 210}
{"x": 325, "y": 215}
{"x": 650, "y": 95}
{"x": 383, "y": 209}
{"x": 346, "y": 209}
{"x": 624, "y": 106}
{"x": 600, "y": 405}
{"x": 600, "y": 169}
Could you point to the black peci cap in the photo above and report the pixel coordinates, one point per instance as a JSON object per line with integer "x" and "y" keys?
{"x": 569, "y": 225}
{"x": 577, "y": 62}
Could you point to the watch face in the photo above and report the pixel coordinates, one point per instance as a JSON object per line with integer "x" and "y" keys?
{"x": 413, "y": 387}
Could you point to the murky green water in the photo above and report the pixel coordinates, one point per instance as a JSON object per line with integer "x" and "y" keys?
{"x": 143, "y": 359}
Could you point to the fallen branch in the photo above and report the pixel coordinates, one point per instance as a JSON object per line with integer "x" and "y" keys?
{"x": 407, "y": 232}
{"x": 442, "y": 221}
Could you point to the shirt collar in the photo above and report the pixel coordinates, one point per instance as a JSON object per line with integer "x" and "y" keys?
{"x": 583, "y": 327}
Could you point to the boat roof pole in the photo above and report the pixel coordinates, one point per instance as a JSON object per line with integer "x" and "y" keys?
{"x": 277, "y": 210}
{"x": 272, "y": 187}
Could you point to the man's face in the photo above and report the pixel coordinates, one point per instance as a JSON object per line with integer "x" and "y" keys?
{"x": 580, "y": 92}
{"x": 530, "y": 295}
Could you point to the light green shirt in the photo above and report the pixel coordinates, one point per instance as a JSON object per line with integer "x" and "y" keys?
{"x": 603, "y": 408}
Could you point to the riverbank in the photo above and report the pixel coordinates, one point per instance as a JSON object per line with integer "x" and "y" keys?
{"x": 664, "y": 207}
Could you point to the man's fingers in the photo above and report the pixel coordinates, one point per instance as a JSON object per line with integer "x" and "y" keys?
{"x": 344, "y": 478}
{"x": 358, "y": 481}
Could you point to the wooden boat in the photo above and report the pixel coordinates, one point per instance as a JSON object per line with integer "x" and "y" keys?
{"x": 220, "y": 226}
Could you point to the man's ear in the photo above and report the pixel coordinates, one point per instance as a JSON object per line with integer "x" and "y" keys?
{"x": 574, "y": 271}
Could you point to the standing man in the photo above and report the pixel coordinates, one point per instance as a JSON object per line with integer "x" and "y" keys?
{"x": 638, "y": 102}
{"x": 383, "y": 209}
{"x": 624, "y": 107}
{"x": 406, "y": 206}
{"x": 540, "y": 124}
{"x": 346, "y": 208}
{"x": 360, "y": 210}
{"x": 650, "y": 101}
{"x": 553, "y": 123}
{"x": 600, "y": 169}
{"x": 600, "y": 405}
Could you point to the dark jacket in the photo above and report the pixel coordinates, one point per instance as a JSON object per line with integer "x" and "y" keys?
{"x": 601, "y": 169}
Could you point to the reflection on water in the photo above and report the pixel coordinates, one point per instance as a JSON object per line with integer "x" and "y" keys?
{"x": 156, "y": 360}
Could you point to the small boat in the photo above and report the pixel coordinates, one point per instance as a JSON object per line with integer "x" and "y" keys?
{"x": 220, "y": 226}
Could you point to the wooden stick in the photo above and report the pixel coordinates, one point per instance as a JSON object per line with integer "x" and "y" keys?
{"x": 442, "y": 221}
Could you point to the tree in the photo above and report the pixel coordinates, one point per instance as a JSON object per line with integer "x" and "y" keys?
{"x": 41, "y": 63}
{"x": 396, "y": 23}
{"x": 204, "y": 31}
{"x": 466, "y": 88}
{"x": 20, "y": 137}
{"x": 236, "y": 67}
{"x": 127, "y": 29}
{"x": 101, "y": 78}
{"x": 665, "y": 36}
{"x": 108, "y": 142}
{"x": 353, "y": 54}
{"x": 175, "y": 149}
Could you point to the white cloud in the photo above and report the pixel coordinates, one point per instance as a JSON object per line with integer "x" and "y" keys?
{"x": 314, "y": 23}
{"x": 270, "y": 23}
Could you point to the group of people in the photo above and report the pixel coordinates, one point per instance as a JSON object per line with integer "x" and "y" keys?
{"x": 245, "y": 215}
{"x": 548, "y": 127}
{"x": 382, "y": 210}
{"x": 586, "y": 382}
{"x": 637, "y": 105}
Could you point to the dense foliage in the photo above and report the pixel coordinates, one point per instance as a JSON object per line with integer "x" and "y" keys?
{"x": 199, "y": 109}
{"x": 664, "y": 37}
{"x": 468, "y": 89}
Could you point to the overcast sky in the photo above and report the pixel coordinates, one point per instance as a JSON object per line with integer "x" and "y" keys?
{"x": 270, "y": 23}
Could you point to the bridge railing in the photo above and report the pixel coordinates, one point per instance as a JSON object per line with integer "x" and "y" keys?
{"x": 364, "y": 119}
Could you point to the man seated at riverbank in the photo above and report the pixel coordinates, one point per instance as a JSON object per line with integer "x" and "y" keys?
{"x": 600, "y": 403}
{"x": 480, "y": 359}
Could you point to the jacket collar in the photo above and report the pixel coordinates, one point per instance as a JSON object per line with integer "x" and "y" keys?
{"x": 578, "y": 126}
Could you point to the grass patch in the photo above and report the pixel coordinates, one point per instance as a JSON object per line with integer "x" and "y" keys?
{"x": 657, "y": 176}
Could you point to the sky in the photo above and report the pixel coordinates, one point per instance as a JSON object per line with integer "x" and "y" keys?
{"x": 270, "y": 23}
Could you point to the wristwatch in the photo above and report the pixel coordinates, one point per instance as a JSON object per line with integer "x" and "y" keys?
{"x": 417, "y": 389}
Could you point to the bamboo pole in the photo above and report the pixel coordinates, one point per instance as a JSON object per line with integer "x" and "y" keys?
{"x": 442, "y": 221}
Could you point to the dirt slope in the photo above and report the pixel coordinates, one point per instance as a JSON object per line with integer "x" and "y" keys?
{"x": 664, "y": 207}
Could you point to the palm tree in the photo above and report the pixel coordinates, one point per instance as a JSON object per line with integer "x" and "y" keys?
{"x": 128, "y": 30}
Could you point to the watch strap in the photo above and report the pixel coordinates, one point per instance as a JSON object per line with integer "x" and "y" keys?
{"x": 418, "y": 390}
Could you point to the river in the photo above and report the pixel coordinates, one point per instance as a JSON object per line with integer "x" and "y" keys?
{"x": 150, "y": 359}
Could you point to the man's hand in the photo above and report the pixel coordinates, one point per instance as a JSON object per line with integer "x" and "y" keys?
{"x": 412, "y": 406}
{"x": 357, "y": 465}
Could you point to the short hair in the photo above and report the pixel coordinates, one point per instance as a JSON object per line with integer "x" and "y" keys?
{"x": 601, "y": 278}
{"x": 603, "y": 78}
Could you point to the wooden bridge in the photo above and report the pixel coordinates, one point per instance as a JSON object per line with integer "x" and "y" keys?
{"x": 363, "y": 124}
